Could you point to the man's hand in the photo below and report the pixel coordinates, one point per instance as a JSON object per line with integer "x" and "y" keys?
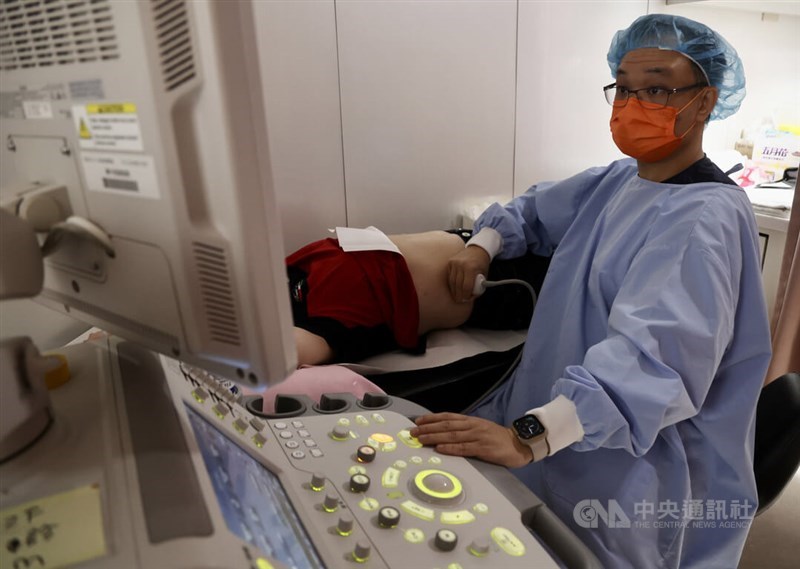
{"x": 463, "y": 268}
{"x": 461, "y": 435}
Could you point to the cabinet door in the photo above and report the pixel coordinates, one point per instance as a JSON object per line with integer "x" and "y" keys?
{"x": 562, "y": 116}
{"x": 427, "y": 91}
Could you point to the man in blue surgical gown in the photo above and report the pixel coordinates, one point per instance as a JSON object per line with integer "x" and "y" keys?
{"x": 633, "y": 406}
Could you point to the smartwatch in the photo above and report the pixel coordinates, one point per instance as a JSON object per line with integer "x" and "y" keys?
{"x": 531, "y": 432}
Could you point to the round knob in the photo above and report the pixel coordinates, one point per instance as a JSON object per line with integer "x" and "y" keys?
{"x": 359, "y": 483}
{"x": 317, "y": 481}
{"x": 388, "y": 517}
{"x": 330, "y": 503}
{"x": 345, "y": 526}
{"x": 479, "y": 547}
{"x": 361, "y": 551}
{"x": 331, "y": 403}
{"x": 365, "y": 453}
{"x": 340, "y": 433}
{"x": 445, "y": 540}
{"x": 375, "y": 400}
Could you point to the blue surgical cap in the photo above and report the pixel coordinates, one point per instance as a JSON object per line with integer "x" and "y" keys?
{"x": 709, "y": 50}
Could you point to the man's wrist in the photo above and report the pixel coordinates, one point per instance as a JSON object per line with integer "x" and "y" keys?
{"x": 526, "y": 451}
{"x": 489, "y": 240}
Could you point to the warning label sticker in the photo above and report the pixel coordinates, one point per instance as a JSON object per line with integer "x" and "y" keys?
{"x": 129, "y": 174}
{"x": 107, "y": 126}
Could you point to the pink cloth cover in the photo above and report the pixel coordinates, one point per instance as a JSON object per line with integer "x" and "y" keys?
{"x": 313, "y": 381}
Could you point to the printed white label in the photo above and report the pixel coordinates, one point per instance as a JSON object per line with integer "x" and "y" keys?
{"x": 37, "y": 109}
{"x": 107, "y": 126}
{"x": 128, "y": 174}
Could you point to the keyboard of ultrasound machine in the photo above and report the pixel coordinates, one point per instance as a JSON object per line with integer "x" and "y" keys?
{"x": 188, "y": 473}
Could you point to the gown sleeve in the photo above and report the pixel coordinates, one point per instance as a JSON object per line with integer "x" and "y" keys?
{"x": 537, "y": 220}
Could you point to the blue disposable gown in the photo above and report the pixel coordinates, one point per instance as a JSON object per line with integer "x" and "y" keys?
{"x": 652, "y": 320}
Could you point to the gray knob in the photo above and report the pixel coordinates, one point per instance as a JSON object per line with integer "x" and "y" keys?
{"x": 359, "y": 483}
{"x": 345, "y": 525}
{"x": 340, "y": 433}
{"x": 317, "y": 481}
{"x": 445, "y": 540}
{"x": 361, "y": 551}
{"x": 388, "y": 517}
{"x": 330, "y": 503}
{"x": 479, "y": 547}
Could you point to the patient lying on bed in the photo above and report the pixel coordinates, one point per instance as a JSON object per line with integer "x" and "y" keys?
{"x": 348, "y": 306}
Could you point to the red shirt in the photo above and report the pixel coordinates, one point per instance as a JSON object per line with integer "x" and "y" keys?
{"x": 360, "y": 288}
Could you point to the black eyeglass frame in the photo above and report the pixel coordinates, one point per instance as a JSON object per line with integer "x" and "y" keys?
{"x": 669, "y": 92}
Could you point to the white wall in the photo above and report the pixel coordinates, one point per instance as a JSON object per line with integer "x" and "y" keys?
{"x": 427, "y": 94}
{"x": 299, "y": 67}
{"x": 562, "y": 114}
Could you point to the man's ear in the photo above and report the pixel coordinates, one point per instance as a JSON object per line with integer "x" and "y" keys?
{"x": 707, "y": 101}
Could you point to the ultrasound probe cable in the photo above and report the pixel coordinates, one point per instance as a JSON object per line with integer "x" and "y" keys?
{"x": 481, "y": 284}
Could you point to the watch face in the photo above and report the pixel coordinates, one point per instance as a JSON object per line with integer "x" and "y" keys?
{"x": 528, "y": 427}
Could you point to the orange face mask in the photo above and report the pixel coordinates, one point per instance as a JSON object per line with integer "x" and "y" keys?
{"x": 645, "y": 131}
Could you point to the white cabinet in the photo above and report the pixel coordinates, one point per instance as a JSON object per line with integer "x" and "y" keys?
{"x": 772, "y": 239}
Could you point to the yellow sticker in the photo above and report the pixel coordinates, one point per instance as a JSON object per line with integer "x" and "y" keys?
{"x": 54, "y": 531}
{"x": 111, "y": 108}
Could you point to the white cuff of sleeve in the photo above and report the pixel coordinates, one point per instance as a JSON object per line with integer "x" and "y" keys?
{"x": 489, "y": 240}
{"x": 560, "y": 418}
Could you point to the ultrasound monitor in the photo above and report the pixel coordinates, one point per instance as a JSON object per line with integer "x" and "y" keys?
{"x": 134, "y": 135}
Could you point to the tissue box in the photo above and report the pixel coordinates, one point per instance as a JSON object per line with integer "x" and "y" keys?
{"x": 774, "y": 151}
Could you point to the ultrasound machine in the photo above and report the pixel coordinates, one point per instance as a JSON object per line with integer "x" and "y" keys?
{"x": 137, "y": 196}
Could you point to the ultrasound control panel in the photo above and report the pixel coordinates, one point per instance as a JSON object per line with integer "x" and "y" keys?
{"x": 176, "y": 469}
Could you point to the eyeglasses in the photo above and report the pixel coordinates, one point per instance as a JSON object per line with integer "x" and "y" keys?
{"x": 616, "y": 95}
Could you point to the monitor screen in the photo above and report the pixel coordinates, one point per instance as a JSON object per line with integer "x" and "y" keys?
{"x": 134, "y": 135}
{"x": 252, "y": 499}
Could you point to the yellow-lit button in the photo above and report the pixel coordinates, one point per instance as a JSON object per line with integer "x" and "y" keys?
{"x": 379, "y": 438}
{"x": 382, "y": 442}
{"x": 200, "y": 395}
{"x": 56, "y": 371}
{"x": 390, "y": 478}
{"x": 460, "y": 517}
{"x": 344, "y": 421}
{"x": 220, "y": 410}
{"x": 369, "y": 504}
{"x": 378, "y": 418}
{"x": 240, "y": 426}
{"x": 408, "y": 440}
{"x": 419, "y": 511}
{"x": 262, "y": 563}
{"x": 259, "y": 440}
{"x": 435, "y": 460}
{"x": 414, "y": 535}
{"x": 480, "y": 508}
{"x": 356, "y": 469}
{"x": 362, "y": 420}
{"x": 415, "y": 460}
{"x": 395, "y": 495}
{"x": 508, "y": 542}
{"x": 400, "y": 464}
{"x": 454, "y": 566}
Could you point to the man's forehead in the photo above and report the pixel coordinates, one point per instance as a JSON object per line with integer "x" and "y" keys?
{"x": 654, "y": 60}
